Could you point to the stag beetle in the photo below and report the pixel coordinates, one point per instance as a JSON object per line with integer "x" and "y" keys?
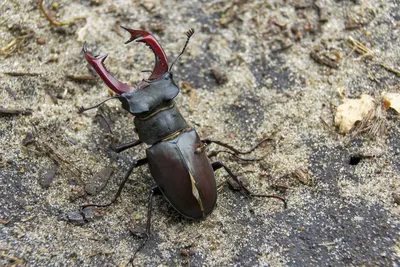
{"x": 176, "y": 158}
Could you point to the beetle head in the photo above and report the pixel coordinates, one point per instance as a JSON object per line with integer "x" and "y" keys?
{"x": 148, "y": 93}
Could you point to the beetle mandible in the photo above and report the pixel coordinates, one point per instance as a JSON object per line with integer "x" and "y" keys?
{"x": 176, "y": 158}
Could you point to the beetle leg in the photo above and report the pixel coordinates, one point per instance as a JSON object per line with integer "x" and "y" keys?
{"x": 135, "y": 164}
{"x": 161, "y": 64}
{"x": 146, "y": 235}
{"x": 216, "y": 152}
{"x": 98, "y": 65}
{"x": 218, "y": 165}
{"x": 123, "y": 147}
{"x": 235, "y": 151}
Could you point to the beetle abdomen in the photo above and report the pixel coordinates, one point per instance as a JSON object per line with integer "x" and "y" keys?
{"x": 185, "y": 177}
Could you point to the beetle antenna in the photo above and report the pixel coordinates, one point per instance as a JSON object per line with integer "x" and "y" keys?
{"x": 189, "y": 34}
{"x": 82, "y": 109}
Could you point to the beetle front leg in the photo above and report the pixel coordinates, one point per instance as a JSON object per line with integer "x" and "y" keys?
{"x": 146, "y": 235}
{"x": 218, "y": 165}
{"x": 133, "y": 166}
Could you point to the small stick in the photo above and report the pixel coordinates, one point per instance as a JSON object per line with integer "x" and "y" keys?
{"x": 17, "y": 74}
{"x": 14, "y": 112}
{"x": 56, "y": 22}
{"x": 14, "y": 43}
{"x": 390, "y": 69}
{"x": 82, "y": 78}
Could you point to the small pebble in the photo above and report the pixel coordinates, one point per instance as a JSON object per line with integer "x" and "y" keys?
{"x": 48, "y": 177}
{"x": 76, "y": 218}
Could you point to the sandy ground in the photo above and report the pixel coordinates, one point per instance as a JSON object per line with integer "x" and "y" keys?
{"x": 288, "y": 65}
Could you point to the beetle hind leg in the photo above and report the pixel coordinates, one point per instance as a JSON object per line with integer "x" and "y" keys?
{"x": 218, "y": 165}
{"x": 145, "y": 235}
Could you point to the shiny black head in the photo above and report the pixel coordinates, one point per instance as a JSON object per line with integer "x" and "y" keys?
{"x": 151, "y": 96}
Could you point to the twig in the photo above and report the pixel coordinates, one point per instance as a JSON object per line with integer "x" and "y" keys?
{"x": 5, "y": 221}
{"x": 14, "y": 44}
{"x": 14, "y": 112}
{"x": 390, "y": 69}
{"x": 82, "y": 78}
{"x": 15, "y": 73}
{"x": 56, "y": 22}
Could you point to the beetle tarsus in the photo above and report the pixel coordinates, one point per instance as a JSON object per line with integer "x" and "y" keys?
{"x": 146, "y": 237}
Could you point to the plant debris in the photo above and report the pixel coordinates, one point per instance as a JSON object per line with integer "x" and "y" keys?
{"x": 352, "y": 111}
{"x": 322, "y": 55}
{"x": 219, "y": 76}
{"x": 390, "y": 69}
{"x": 15, "y": 44}
{"x": 361, "y": 48}
{"x": 14, "y": 112}
{"x": 82, "y": 78}
{"x": 54, "y": 21}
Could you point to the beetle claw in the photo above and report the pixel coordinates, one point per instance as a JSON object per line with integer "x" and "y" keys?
{"x": 98, "y": 65}
{"x": 161, "y": 65}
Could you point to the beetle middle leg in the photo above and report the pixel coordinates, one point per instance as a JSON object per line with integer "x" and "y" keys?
{"x": 218, "y": 165}
{"x": 231, "y": 150}
{"x": 133, "y": 166}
